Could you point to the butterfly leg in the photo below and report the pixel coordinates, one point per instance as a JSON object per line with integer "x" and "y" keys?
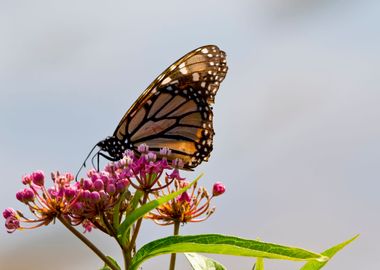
{"x": 97, "y": 155}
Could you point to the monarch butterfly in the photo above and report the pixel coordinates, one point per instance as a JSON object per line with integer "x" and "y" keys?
{"x": 174, "y": 111}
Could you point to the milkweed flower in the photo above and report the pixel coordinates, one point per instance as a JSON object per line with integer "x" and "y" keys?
{"x": 91, "y": 202}
{"x": 83, "y": 202}
{"x": 192, "y": 205}
{"x": 144, "y": 171}
{"x": 12, "y": 221}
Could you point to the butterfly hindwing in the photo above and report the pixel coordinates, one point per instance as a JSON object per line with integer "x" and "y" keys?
{"x": 175, "y": 110}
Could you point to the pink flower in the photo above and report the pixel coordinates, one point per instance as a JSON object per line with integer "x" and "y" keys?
{"x": 175, "y": 175}
{"x": 111, "y": 189}
{"x": 12, "y": 223}
{"x": 87, "y": 225}
{"x": 94, "y": 197}
{"x": 165, "y": 151}
{"x": 192, "y": 205}
{"x": 38, "y": 178}
{"x": 151, "y": 156}
{"x": 26, "y": 179}
{"x": 9, "y": 212}
{"x": 143, "y": 148}
{"x": 28, "y": 195}
{"x": 177, "y": 163}
{"x": 87, "y": 184}
{"x": 25, "y": 195}
{"x": 70, "y": 193}
{"x": 184, "y": 197}
{"x": 218, "y": 189}
{"x": 99, "y": 184}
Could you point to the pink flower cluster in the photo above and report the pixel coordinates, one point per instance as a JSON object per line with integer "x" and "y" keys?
{"x": 78, "y": 202}
{"x": 91, "y": 202}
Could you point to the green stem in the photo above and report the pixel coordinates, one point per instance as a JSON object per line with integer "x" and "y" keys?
{"x": 174, "y": 255}
{"x": 112, "y": 231}
{"x": 135, "y": 232}
{"x": 87, "y": 242}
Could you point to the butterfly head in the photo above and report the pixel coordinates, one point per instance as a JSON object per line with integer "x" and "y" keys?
{"x": 113, "y": 147}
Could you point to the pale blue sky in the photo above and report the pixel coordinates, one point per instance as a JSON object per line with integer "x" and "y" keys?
{"x": 297, "y": 119}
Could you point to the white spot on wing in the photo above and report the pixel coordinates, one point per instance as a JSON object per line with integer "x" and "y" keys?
{"x": 166, "y": 80}
{"x": 204, "y": 50}
{"x": 183, "y": 70}
{"x": 196, "y": 76}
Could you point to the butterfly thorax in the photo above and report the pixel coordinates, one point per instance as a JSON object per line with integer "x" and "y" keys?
{"x": 113, "y": 146}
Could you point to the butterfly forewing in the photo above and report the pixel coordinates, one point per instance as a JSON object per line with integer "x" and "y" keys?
{"x": 175, "y": 110}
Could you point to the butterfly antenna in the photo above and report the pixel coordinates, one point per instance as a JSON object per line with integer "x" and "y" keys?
{"x": 97, "y": 160}
{"x": 84, "y": 162}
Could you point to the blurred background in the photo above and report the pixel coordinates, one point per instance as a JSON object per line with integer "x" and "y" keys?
{"x": 297, "y": 119}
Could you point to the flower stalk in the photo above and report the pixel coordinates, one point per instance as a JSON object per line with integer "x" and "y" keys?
{"x": 173, "y": 256}
{"x": 88, "y": 243}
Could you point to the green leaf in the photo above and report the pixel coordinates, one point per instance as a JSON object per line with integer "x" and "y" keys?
{"x": 199, "y": 262}
{"x": 313, "y": 265}
{"x": 141, "y": 211}
{"x": 136, "y": 197}
{"x": 259, "y": 264}
{"x": 106, "y": 267}
{"x": 221, "y": 244}
{"x": 116, "y": 211}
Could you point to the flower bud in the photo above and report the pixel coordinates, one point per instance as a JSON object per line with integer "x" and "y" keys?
{"x": 77, "y": 208}
{"x": 87, "y": 184}
{"x": 20, "y": 195}
{"x": 104, "y": 178}
{"x": 69, "y": 177}
{"x": 98, "y": 185}
{"x": 9, "y": 212}
{"x": 94, "y": 197}
{"x": 121, "y": 185}
{"x": 28, "y": 195}
{"x": 12, "y": 224}
{"x": 103, "y": 195}
{"x": 69, "y": 193}
{"x": 218, "y": 189}
{"x": 38, "y": 178}
{"x": 25, "y": 195}
{"x": 26, "y": 179}
{"x": 86, "y": 194}
{"x": 111, "y": 189}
